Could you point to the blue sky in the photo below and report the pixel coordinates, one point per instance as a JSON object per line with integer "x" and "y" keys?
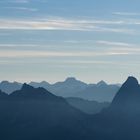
{"x": 54, "y": 39}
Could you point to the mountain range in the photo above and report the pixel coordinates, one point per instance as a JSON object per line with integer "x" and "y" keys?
{"x": 35, "y": 113}
{"x": 71, "y": 87}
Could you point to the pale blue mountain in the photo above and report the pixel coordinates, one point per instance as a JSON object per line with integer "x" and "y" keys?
{"x": 71, "y": 87}
{"x": 67, "y": 88}
{"x": 100, "y": 92}
{"x": 9, "y": 87}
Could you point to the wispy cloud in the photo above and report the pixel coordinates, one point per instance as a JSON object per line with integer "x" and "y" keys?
{"x": 22, "y": 9}
{"x": 45, "y": 54}
{"x": 16, "y": 1}
{"x": 111, "y": 43}
{"x": 18, "y": 45}
{"x": 126, "y": 14}
{"x": 63, "y": 24}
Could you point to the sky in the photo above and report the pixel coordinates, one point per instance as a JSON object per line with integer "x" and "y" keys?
{"x": 50, "y": 40}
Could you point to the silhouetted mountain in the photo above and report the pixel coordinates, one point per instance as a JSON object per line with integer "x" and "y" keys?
{"x": 35, "y": 113}
{"x": 90, "y": 107}
{"x": 128, "y": 97}
{"x": 9, "y": 87}
{"x": 121, "y": 120}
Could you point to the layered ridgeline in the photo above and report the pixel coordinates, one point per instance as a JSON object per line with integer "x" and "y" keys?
{"x": 71, "y": 87}
{"x": 35, "y": 113}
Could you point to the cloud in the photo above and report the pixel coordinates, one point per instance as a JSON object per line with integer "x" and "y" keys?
{"x": 110, "y": 43}
{"x": 62, "y": 24}
{"x": 126, "y": 14}
{"x": 21, "y": 1}
{"x": 46, "y": 54}
{"x": 22, "y": 9}
{"x": 17, "y": 45}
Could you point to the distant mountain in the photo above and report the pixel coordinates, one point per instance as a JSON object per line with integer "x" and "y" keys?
{"x": 90, "y": 107}
{"x": 71, "y": 87}
{"x": 68, "y": 88}
{"x": 9, "y": 87}
{"x": 101, "y": 92}
{"x": 43, "y": 84}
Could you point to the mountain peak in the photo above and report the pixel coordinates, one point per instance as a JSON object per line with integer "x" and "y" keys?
{"x": 71, "y": 79}
{"x": 101, "y": 83}
{"x": 26, "y": 87}
{"x": 131, "y": 81}
{"x": 128, "y": 97}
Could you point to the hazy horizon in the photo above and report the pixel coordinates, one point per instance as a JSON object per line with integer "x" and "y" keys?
{"x": 50, "y": 40}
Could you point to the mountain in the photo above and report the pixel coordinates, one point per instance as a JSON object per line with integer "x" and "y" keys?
{"x": 89, "y": 107}
{"x": 71, "y": 87}
{"x": 9, "y": 87}
{"x": 121, "y": 120}
{"x": 67, "y": 88}
{"x": 43, "y": 84}
{"x": 35, "y": 113}
{"x": 101, "y": 92}
{"x": 128, "y": 97}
